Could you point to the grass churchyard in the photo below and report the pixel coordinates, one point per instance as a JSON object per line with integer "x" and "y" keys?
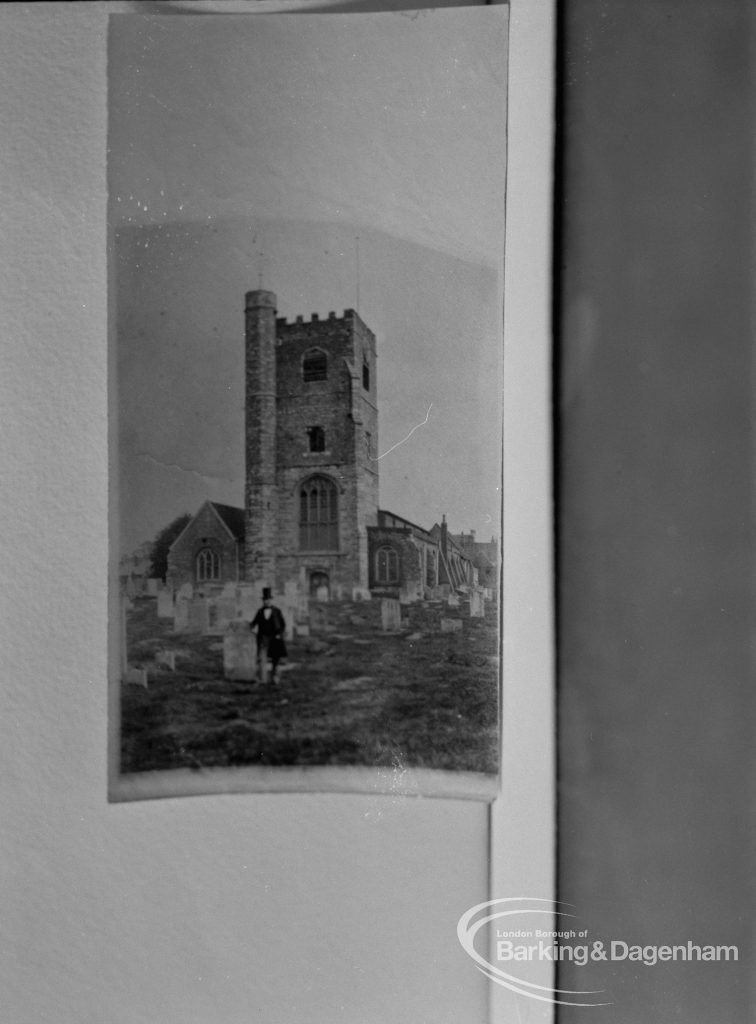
{"x": 424, "y": 695}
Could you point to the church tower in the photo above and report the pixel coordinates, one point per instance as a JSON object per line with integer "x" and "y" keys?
{"x": 311, "y": 448}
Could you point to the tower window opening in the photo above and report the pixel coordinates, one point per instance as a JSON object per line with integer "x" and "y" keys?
{"x": 316, "y": 437}
{"x": 314, "y": 365}
{"x": 318, "y": 515}
{"x": 365, "y": 374}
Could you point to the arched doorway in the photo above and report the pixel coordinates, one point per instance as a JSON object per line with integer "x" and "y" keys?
{"x": 320, "y": 585}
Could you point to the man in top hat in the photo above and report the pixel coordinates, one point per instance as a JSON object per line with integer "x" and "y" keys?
{"x": 270, "y": 626}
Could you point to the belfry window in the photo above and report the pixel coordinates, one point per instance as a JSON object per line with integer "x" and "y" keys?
{"x": 386, "y": 565}
{"x": 318, "y": 515}
{"x": 316, "y": 437}
{"x": 207, "y": 565}
{"x": 314, "y": 365}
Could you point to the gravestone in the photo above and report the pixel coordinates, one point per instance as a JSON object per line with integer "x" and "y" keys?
{"x": 451, "y": 625}
{"x": 289, "y": 613}
{"x": 452, "y": 601}
{"x": 361, "y": 594}
{"x": 408, "y": 594}
{"x": 197, "y": 617}
{"x": 181, "y": 615}
{"x": 318, "y": 618}
{"x": 302, "y": 629}
{"x": 185, "y": 591}
{"x": 221, "y": 612}
{"x": 477, "y": 605}
{"x": 239, "y": 653}
{"x": 165, "y": 604}
{"x": 226, "y": 612}
{"x": 167, "y": 658}
{"x": 391, "y": 614}
{"x": 250, "y": 599}
{"x": 135, "y": 677}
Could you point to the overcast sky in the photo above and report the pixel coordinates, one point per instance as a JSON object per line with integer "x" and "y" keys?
{"x": 267, "y": 145}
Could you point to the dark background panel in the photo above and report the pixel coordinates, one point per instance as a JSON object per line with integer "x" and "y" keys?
{"x": 655, "y": 535}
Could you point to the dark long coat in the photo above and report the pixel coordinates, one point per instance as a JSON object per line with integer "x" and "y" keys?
{"x": 271, "y": 630}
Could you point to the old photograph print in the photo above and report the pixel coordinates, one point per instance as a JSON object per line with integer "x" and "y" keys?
{"x": 306, "y": 250}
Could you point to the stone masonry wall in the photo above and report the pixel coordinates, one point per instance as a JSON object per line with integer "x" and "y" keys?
{"x": 260, "y": 499}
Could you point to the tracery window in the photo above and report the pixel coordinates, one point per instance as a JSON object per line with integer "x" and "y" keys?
{"x": 207, "y": 565}
{"x": 318, "y": 515}
{"x": 386, "y": 565}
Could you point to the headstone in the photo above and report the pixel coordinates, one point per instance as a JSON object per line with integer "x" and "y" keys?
{"x": 289, "y": 613}
{"x": 391, "y": 614}
{"x": 165, "y": 604}
{"x": 477, "y": 605}
{"x": 221, "y": 612}
{"x": 408, "y": 594}
{"x": 451, "y": 625}
{"x": 302, "y": 629}
{"x": 185, "y": 591}
{"x": 226, "y": 610}
{"x": 452, "y": 601}
{"x": 240, "y": 653}
{"x": 153, "y": 587}
{"x": 197, "y": 617}
{"x": 181, "y": 615}
{"x": 361, "y": 594}
{"x": 135, "y": 677}
{"x": 318, "y": 618}
{"x": 249, "y": 600}
{"x": 167, "y": 658}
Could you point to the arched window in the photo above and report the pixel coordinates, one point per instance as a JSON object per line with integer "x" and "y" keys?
{"x": 318, "y": 515}
{"x": 430, "y": 569}
{"x": 207, "y": 565}
{"x": 314, "y": 365}
{"x": 386, "y": 565}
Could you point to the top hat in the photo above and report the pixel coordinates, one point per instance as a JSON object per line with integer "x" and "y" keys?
{"x": 267, "y": 594}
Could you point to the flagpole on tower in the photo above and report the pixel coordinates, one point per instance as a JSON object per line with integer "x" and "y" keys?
{"x": 357, "y": 252}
